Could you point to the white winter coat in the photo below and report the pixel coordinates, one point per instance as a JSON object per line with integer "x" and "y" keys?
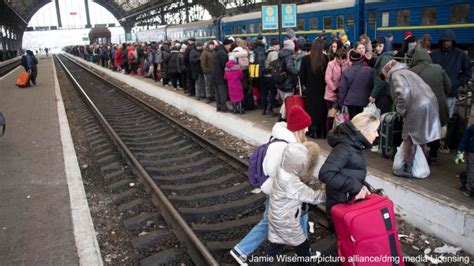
{"x": 288, "y": 194}
{"x": 272, "y": 159}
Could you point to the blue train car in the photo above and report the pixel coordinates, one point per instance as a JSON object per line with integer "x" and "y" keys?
{"x": 201, "y": 30}
{"x": 312, "y": 19}
{"x": 154, "y": 35}
{"x": 421, "y": 17}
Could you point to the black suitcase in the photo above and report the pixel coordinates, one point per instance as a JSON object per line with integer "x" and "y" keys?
{"x": 390, "y": 133}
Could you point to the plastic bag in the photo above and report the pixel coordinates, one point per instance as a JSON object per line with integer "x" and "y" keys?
{"x": 342, "y": 116}
{"x": 420, "y": 168}
{"x": 398, "y": 161}
{"x": 372, "y": 108}
{"x": 420, "y": 165}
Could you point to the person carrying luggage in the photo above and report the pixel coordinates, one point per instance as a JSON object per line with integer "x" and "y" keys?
{"x": 288, "y": 194}
{"x": 29, "y": 62}
{"x": 439, "y": 82}
{"x": 345, "y": 169}
{"x": 418, "y": 105}
{"x": 292, "y": 131}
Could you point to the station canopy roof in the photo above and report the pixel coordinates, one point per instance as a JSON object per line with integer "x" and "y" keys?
{"x": 119, "y": 8}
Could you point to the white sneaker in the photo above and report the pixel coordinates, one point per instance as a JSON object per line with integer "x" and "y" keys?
{"x": 239, "y": 258}
{"x": 375, "y": 148}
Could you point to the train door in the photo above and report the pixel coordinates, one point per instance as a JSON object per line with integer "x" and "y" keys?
{"x": 371, "y": 26}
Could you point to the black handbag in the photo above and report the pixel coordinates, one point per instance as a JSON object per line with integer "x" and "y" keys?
{"x": 2, "y": 124}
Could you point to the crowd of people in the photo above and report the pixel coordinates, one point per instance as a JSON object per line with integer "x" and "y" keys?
{"x": 419, "y": 83}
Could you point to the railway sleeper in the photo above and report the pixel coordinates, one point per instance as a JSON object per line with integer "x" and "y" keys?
{"x": 193, "y": 186}
{"x": 241, "y": 207}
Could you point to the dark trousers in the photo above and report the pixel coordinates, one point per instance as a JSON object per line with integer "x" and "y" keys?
{"x": 302, "y": 250}
{"x": 155, "y": 71}
{"x": 34, "y": 73}
{"x": 221, "y": 97}
{"x": 434, "y": 147}
{"x": 133, "y": 68}
{"x": 191, "y": 86}
{"x": 354, "y": 110}
{"x": 176, "y": 79}
{"x": 268, "y": 93}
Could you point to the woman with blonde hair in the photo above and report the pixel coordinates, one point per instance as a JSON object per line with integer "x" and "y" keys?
{"x": 345, "y": 169}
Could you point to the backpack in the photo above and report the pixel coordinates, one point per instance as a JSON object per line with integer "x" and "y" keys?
{"x": 131, "y": 57}
{"x": 255, "y": 174}
{"x": 277, "y": 70}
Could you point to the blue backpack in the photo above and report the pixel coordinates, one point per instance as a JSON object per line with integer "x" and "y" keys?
{"x": 256, "y": 175}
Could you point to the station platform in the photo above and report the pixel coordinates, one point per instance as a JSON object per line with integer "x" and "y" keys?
{"x": 44, "y": 216}
{"x": 434, "y": 205}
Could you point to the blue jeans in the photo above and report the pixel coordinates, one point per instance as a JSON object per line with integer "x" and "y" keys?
{"x": 259, "y": 233}
{"x": 451, "y": 105}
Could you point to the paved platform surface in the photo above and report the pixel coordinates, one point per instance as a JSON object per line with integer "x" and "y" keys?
{"x": 435, "y": 205}
{"x": 36, "y": 224}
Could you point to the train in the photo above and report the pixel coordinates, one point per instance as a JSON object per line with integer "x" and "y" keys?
{"x": 376, "y": 18}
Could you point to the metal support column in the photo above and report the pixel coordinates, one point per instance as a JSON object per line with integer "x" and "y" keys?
{"x": 88, "y": 25}
{"x": 58, "y": 14}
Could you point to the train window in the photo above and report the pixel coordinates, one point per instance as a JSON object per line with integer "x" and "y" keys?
{"x": 313, "y": 23}
{"x": 459, "y": 14}
{"x": 327, "y": 23}
{"x": 235, "y": 29}
{"x": 403, "y": 17}
{"x": 372, "y": 16}
{"x": 428, "y": 16}
{"x": 300, "y": 24}
{"x": 350, "y": 18}
{"x": 252, "y": 28}
{"x": 244, "y": 29}
{"x": 385, "y": 19}
{"x": 340, "y": 22}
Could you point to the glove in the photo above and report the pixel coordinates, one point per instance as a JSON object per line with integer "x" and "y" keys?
{"x": 459, "y": 157}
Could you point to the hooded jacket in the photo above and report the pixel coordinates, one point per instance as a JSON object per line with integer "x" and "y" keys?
{"x": 417, "y": 104}
{"x": 381, "y": 87}
{"x": 242, "y": 56}
{"x": 234, "y": 75}
{"x": 289, "y": 192}
{"x": 288, "y": 65}
{"x": 454, "y": 61}
{"x": 333, "y": 77}
{"x": 355, "y": 85}
{"x": 275, "y": 153}
{"x": 436, "y": 78}
{"x": 345, "y": 168}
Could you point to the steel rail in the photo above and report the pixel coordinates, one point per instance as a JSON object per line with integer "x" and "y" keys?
{"x": 195, "y": 248}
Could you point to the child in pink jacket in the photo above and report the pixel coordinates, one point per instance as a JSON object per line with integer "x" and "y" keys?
{"x": 333, "y": 77}
{"x": 234, "y": 75}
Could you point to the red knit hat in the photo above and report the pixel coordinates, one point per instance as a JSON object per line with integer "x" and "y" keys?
{"x": 407, "y": 33}
{"x": 297, "y": 119}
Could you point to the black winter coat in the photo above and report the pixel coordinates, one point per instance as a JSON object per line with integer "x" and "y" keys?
{"x": 345, "y": 169}
{"x": 220, "y": 59}
{"x": 175, "y": 62}
{"x": 195, "y": 62}
{"x": 288, "y": 65}
{"x": 315, "y": 87}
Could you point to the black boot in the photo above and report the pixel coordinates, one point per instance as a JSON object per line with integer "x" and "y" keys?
{"x": 264, "y": 109}
{"x": 406, "y": 171}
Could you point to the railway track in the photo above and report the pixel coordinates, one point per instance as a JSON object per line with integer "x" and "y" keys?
{"x": 9, "y": 65}
{"x": 201, "y": 190}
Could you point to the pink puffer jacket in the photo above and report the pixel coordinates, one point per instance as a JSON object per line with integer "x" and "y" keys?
{"x": 333, "y": 77}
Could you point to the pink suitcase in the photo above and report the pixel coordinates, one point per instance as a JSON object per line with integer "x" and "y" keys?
{"x": 366, "y": 232}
